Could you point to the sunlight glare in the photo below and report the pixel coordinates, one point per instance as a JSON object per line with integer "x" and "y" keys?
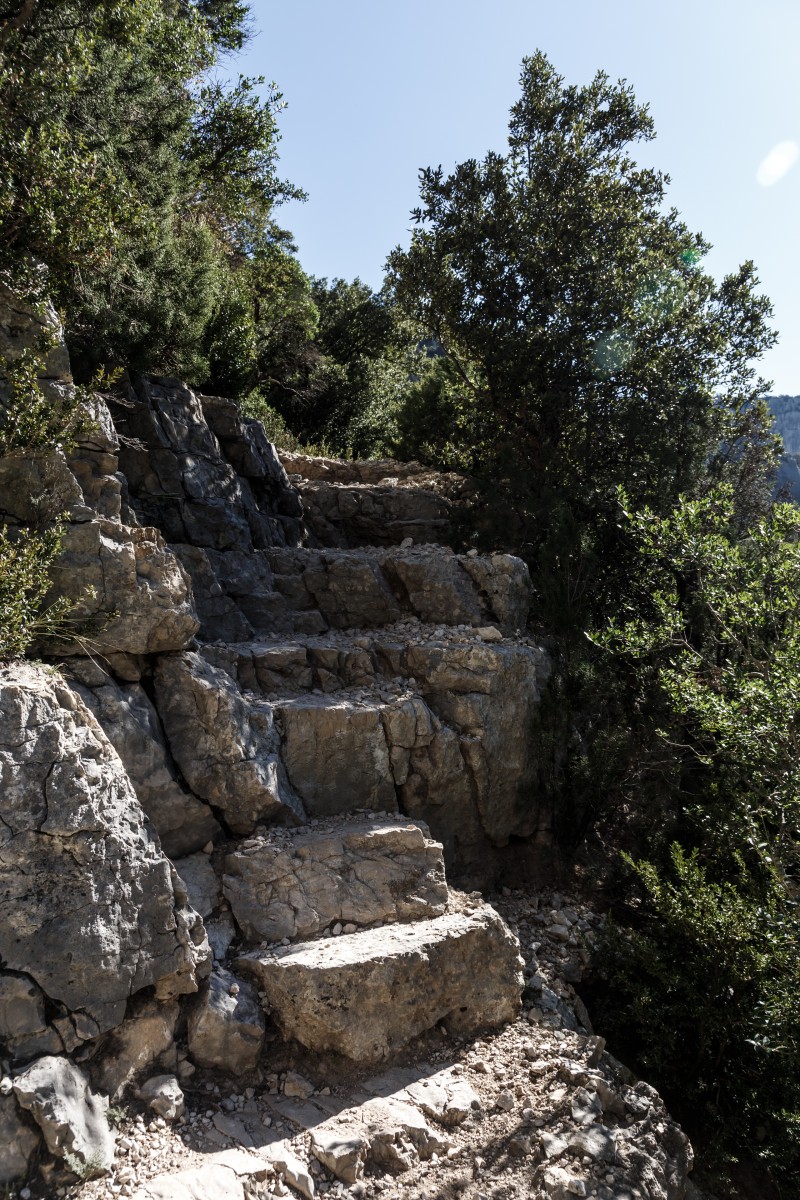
{"x": 780, "y": 159}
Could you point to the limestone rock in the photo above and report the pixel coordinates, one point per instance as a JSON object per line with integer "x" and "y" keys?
{"x": 17, "y": 1141}
{"x": 209, "y": 1182}
{"x": 460, "y": 754}
{"x": 163, "y": 1094}
{"x": 447, "y": 1098}
{"x": 201, "y": 882}
{"x": 559, "y": 1184}
{"x": 366, "y": 994}
{"x": 226, "y": 1025}
{"x": 92, "y": 912}
{"x": 72, "y": 1118}
{"x": 131, "y": 724}
{"x": 23, "y": 324}
{"x": 296, "y": 885}
{"x": 128, "y": 584}
{"x": 336, "y": 755}
{"x": 380, "y": 514}
{"x": 290, "y": 1166}
{"x": 180, "y": 479}
{"x": 24, "y": 1032}
{"x": 36, "y": 488}
{"x": 94, "y": 461}
{"x": 225, "y": 746}
{"x": 371, "y": 587}
{"x": 146, "y": 1036}
{"x": 385, "y": 1133}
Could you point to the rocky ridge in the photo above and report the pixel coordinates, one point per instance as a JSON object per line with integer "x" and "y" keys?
{"x": 229, "y": 807}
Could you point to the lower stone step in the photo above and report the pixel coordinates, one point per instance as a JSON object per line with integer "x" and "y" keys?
{"x": 297, "y": 883}
{"x": 366, "y": 994}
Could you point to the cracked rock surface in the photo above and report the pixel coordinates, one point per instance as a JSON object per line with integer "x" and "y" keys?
{"x": 296, "y": 884}
{"x": 90, "y": 903}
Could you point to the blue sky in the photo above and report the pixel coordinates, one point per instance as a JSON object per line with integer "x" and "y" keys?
{"x": 377, "y": 89}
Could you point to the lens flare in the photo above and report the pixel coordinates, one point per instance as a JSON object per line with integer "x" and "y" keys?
{"x": 778, "y": 162}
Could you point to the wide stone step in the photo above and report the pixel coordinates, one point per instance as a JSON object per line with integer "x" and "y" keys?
{"x": 367, "y": 588}
{"x": 355, "y": 515}
{"x": 297, "y": 883}
{"x": 367, "y": 994}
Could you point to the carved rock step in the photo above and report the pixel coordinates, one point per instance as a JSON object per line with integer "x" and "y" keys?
{"x": 367, "y": 471}
{"x": 366, "y": 994}
{"x": 370, "y": 587}
{"x": 375, "y": 515}
{"x": 298, "y": 883}
{"x": 434, "y": 722}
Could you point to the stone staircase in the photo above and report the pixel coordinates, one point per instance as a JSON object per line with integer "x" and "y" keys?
{"x": 359, "y": 715}
{"x": 357, "y": 921}
{"x": 289, "y": 708}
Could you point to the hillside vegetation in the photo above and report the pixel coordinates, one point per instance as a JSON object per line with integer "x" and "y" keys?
{"x": 551, "y": 331}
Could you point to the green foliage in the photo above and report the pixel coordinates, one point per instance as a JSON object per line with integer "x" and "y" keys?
{"x": 708, "y": 981}
{"x": 586, "y": 347}
{"x": 25, "y": 559}
{"x": 138, "y": 180}
{"x": 342, "y": 381}
{"x": 29, "y": 419}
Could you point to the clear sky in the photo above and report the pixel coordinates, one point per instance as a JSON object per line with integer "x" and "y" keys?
{"x": 377, "y": 89}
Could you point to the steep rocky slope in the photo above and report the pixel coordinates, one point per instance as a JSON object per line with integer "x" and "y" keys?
{"x": 230, "y": 801}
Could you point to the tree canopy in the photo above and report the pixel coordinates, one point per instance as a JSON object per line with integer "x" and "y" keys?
{"x": 585, "y": 346}
{"x": 137, "y": 186}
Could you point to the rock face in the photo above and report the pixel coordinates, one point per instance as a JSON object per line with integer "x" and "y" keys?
{"x": 17, "y": 1141}
{"x": 226, "y": 747}
{"x": 91, "y": 909}
{"x": 219, "y": 500}
{"x": 434, "y": 722}
{"x": 130, "y": 590}
{"x": 358, "y": 871}
{"x": 366, "y": 994}
{"x": 376, "y": 503}
{"x": 368, "y": 588}
{"x": 130, "y": 722}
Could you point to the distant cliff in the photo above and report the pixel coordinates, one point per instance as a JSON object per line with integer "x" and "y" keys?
{"x": 786, "y": 411}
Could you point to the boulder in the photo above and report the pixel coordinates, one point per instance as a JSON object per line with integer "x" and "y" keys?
{"x": 226, "y": 1025}
{"x": 17, "y": 1141}
{"x": 131, "y": 593}
{"x": 72, "y": 1118}
{"x": 225, "y": 745}
{"x": 366, "y": 994}
{"x": 94, "y": 911}
{"x": 163, "y": 1094}
{"x": 145, "y": 1037}
{"x": 295, "y": 884}
{"x": 130, "y": 722}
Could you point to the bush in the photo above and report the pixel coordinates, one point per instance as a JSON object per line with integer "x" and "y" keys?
{"x": 707, "y": 979}
{"x": 25, "y": 559}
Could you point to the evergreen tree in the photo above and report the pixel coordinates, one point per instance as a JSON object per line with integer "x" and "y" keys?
{"x": 585, "y": 345}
